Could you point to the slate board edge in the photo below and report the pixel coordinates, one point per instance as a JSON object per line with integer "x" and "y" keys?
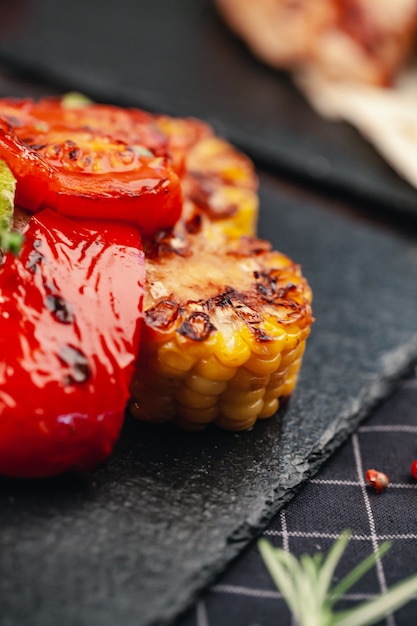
{"x": 395, "y": 365}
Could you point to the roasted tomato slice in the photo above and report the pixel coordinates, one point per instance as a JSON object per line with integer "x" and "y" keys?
{"x": 110, "y": 164}
{"x": 69, "y": 335}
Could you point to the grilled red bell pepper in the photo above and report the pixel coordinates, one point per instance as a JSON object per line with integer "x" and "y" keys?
{"x": 93, "y": 161}
{"x": 70, "y": 309}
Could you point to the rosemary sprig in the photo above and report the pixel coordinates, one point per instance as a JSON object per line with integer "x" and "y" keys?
{"x": 305, "y": 585}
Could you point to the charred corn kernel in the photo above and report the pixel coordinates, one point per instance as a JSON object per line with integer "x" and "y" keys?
{"x": 195, "y": 349}
{"x": 213, "y": 156}
{"x": 267, "y": 339}
{"x": 240, "y": 214}
{"x": 226, "y": 318}
{"x": 205, "y": 385}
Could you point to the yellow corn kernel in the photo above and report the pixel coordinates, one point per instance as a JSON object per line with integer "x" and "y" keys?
{"x": 191, "y": 398}
{"x": 288, "y": 387}
{"x": 244, "y": 380}
{"x": 213, "y": 369}
{"x": 292, "y": 339}
{"x": 232, "y": 396}
{"x": 270, "y": 407}
{"x": 263, "y": 366}
{"x": 173, "y": 358}
{"x": 241, "y": 411}
{"x": 203, "y": 385}
{"x": 199, "y": 416}
{"x": 231, "y": 349}
{"x": 293, "y": 355}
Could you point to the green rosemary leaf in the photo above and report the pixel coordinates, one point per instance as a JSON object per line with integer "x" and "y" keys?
{"x": 333, "y": 557}
{"x": 357, "y": 573}
{"x": 280, "y": 568}
{"x": 374, "y": 610}
{"x": 305, "y": 585}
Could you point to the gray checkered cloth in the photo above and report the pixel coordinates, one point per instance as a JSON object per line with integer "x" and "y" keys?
{"x": 337, "y": 498}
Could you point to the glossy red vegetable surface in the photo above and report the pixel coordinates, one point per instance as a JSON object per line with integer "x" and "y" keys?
{"x": 69, "y": 335}
{"x": 93, "y": 161}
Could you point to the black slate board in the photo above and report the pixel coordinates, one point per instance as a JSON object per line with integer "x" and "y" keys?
{"x": 178, "y": 57}
{"x": 135, "y": 541}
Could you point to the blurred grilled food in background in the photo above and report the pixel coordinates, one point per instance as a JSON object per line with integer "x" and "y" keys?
{"x": 226, "y": 318}
{"x": 355, "y": 40}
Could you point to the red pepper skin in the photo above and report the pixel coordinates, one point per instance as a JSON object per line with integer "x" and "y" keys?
{"x": 70, "y": 310}
{"x": 96, "y": 161}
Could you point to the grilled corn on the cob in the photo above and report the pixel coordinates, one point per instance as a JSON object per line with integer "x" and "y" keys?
{"x": 226, "y": 318}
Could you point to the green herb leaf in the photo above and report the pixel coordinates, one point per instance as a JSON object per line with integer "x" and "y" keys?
{"x": 10, "y": 241}
{"x": 305, "y": 585}
{"x": 75, "y": 100}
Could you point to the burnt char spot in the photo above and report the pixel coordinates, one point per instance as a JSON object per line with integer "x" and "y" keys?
{"x": 59, "y": 308}
{"x": 260, "y": 335}
{"x": 35, "y": 258}
{"x": 222, "y": 300}
{"x": 244, "y": 311}
{"x": 201, "y": 192}
{"x": 251, "y": 246}
{"x": 77, "y": 363}
{"x": 268, "y": 288}
{"x": 14, "y": 121}
{"x": 74, "y": 154}
{"x": 194, "y": 224}
{"x": 167, "y": 243}
{"x": 197, "y": 327}
{"x": 163, "y": 315}
{"x": 36, "y": 146}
